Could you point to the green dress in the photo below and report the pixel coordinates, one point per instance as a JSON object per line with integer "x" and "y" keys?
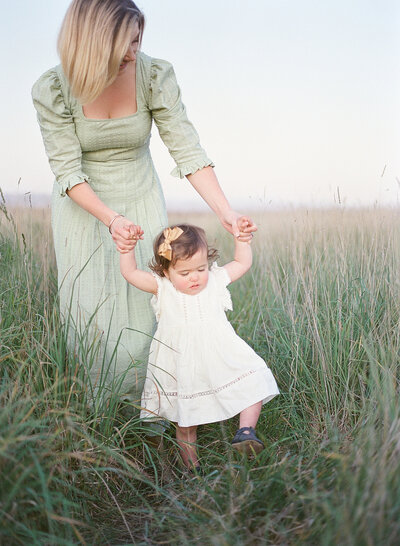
{"x": 110, "y": 323}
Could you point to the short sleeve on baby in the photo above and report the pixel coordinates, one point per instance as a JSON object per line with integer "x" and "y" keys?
{"x": 222, "y": 279}
{"x": 156, "y": 299}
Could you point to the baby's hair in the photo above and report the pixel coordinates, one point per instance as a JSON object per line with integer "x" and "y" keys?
{"x": 185, "y": 246}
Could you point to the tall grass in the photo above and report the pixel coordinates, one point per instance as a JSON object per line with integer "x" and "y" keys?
{"x": 321, "y": 305}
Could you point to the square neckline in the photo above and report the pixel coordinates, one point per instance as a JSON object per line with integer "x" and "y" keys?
{"x": 120, "y": 117}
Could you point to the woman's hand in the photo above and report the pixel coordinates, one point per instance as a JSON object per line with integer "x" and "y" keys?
{"x": 240, "y": 226}
{"x": 125, "y": 234}
{"x": 206, "y": 184}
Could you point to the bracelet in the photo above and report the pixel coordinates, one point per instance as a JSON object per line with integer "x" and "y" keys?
{"x": 112, "y": 221}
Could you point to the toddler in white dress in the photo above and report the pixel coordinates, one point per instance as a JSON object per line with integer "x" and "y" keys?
{"x": 199, "y": 370}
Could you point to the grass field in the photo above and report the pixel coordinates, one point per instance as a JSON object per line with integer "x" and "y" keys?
{"x": 321, "y": 305}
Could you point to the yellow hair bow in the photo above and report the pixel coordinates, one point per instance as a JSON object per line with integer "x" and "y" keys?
{"x": 170, "y": 235}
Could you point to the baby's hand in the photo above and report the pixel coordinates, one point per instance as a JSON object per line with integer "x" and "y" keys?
{"x": 243, "y": 223}
{"x": 136, "y": 233}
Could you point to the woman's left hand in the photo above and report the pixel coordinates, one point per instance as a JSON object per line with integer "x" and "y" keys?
{"x": 240, "y": 226}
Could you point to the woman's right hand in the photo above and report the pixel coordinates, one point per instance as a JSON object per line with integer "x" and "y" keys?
{"x": 122, "y": 230}
{"x": 125, "y": 234}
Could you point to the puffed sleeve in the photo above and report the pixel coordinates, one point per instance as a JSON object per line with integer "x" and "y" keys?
{"x": 156, "y": 299}
{"x": 58, "y": 131}
{"x": 169, "y": 114}
{"x": 222, "y": 279}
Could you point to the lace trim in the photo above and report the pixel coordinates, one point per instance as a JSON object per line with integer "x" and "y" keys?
{"x": 150, "y": 394}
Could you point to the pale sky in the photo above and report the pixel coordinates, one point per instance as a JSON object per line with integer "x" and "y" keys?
{"x": 292, "y": 99}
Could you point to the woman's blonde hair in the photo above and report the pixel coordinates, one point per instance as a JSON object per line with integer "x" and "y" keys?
{"x": 94, "y": 37}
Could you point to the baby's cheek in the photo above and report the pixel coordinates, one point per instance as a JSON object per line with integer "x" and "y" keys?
{"x": 179, "y": 283}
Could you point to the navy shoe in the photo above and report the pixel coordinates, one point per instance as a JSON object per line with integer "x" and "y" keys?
{"x": 245, "y": 441}
{"x": 193, "y": 471}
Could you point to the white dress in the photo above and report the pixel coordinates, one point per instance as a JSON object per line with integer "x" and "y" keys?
{"x": 199, "y": 370}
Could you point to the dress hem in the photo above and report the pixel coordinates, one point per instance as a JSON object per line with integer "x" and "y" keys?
{"x": 215, "y": 419}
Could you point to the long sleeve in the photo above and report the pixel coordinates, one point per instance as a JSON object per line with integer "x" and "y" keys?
{"x": 58, "y": 131}
{"x": 169, "y": 114}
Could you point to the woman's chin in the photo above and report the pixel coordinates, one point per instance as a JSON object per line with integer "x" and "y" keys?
{"x": 124, "y": 66}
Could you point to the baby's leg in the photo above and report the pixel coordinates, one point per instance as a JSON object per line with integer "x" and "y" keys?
{"x": 250, "y": 415}
{"x": 185, "y": 437}
{"x": 245, "y": 439}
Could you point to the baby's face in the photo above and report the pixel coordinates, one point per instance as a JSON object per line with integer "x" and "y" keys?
{"x": 190, "y": 276}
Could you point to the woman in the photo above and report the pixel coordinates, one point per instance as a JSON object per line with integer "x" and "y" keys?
{"x": 95, "y": 112}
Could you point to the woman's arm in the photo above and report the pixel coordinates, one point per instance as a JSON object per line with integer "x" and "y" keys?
{"x": 122, "y": 229}
{"x": 183, "y": 143}
{"x": 64, "y": 152}
{"x": 206, "y": 184}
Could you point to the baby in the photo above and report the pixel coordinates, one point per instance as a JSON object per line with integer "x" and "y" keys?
{"x": 199, "y": 370}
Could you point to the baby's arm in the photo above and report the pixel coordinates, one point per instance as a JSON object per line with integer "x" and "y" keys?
{"x": 242, "y": 260}
{"x": 141, "y": 279}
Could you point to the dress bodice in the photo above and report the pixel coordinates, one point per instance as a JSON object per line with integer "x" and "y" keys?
{"x": 174, "y": 308}
{"x": 70, "y": 138}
